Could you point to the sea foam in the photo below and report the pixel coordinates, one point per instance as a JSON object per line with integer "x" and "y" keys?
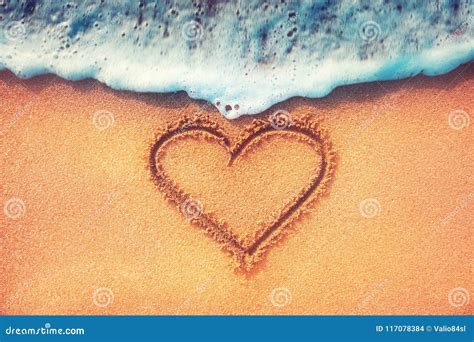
{"x": 242, "y": 56}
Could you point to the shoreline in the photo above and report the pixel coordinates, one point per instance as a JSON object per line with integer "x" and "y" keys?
{"x": 182, "y": 97}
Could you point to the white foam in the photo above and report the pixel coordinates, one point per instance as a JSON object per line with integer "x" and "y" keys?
{"x": 248, "y": 61}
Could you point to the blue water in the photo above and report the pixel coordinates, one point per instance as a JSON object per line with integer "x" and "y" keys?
{"x": 242, "y": 56}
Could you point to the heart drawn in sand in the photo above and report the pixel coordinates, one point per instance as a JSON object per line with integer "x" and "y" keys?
{"x": 249, "y": 248}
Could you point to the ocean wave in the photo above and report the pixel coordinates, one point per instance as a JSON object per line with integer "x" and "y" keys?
{"x": 242, "y": 56}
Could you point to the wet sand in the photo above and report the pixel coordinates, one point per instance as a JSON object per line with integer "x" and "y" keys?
{"x": 85, "y": 230}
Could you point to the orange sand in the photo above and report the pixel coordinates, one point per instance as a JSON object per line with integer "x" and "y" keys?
{"x": 199, "y": 146}
{"x": 93, "y": 219}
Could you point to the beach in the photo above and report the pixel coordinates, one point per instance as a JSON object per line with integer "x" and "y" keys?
{"x": 87, "y": 231}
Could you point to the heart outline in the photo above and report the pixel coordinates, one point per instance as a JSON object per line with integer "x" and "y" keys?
{"x": 267, "y": 235}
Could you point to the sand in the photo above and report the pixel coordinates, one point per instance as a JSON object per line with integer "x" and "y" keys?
{"x": 86, "y": 230}
{"x": 196, "y": 151}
